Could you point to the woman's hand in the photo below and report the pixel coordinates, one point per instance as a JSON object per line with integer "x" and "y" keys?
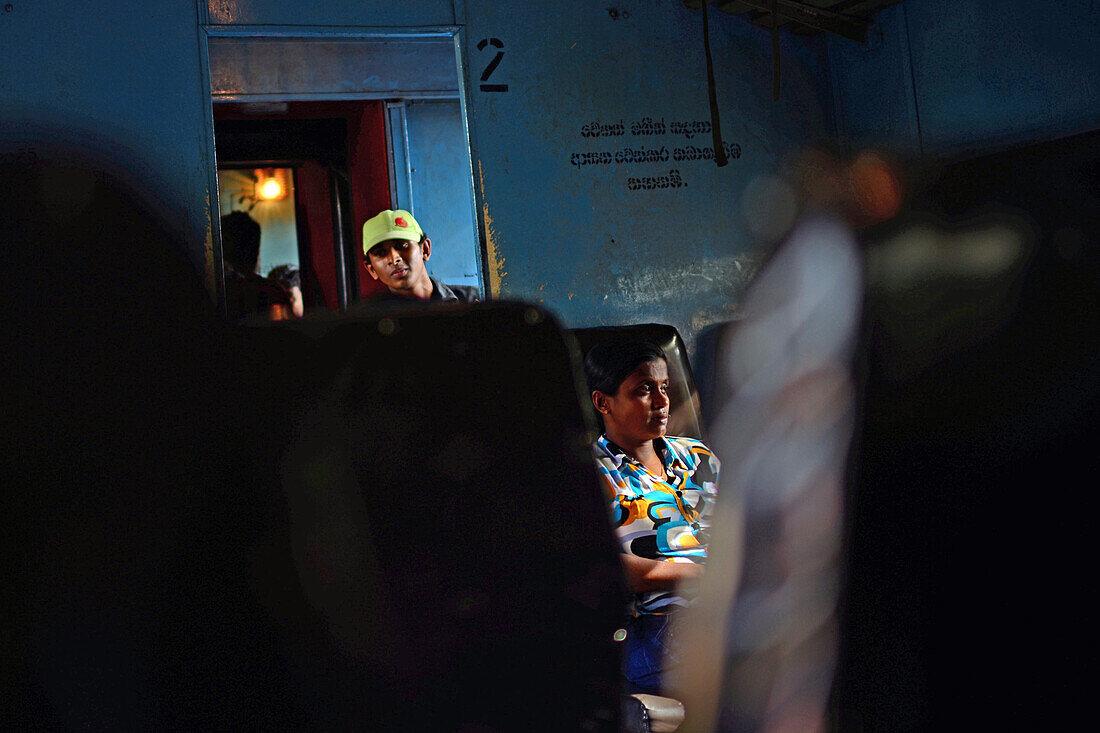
{"x": 643, "y": 574}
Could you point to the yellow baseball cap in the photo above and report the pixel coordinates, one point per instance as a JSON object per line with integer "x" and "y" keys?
{"x": 390, "y": 224}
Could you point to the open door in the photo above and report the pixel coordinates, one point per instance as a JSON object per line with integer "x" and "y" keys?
{"x": 362, "y": 125}
{"x": 336, "y": 155}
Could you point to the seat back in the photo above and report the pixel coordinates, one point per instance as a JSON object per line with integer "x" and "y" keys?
{"x": 442, "y": 485}
{"x": 685, "y": 417}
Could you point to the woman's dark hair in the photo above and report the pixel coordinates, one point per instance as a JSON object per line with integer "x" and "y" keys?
{"x": 608, "y": 363}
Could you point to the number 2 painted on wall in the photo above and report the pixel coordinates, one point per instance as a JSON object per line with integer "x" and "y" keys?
{"x": 492, "y": 65}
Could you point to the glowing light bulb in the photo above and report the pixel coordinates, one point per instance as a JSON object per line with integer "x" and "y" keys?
{"x": 271, "y": 189}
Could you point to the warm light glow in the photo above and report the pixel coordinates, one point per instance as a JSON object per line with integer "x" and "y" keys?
{"x": 878, "y": 190}
{"x": 270, "y": 189}
{"x": 272, "y": 184}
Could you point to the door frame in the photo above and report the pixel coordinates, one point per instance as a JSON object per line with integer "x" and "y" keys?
{"x": 455, "y": 33}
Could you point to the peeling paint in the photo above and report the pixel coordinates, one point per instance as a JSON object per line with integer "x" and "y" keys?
{"x": 208, "y": 256}
{"x": 495, "y": 259}
{"x": 645, "y": 286}
{"x": 709, "y": 316}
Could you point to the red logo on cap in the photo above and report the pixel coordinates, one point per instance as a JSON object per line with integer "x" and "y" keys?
{"x": 400, "y": 221}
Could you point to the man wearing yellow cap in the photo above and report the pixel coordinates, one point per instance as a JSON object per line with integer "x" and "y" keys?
{"x": 394, "y": 252}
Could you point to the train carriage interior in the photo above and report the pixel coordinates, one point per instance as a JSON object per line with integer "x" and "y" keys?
{"x": 865, "y": 234}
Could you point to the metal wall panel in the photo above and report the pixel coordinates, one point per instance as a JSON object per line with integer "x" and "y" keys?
{"x": 326, "y": 68}
{"x": 598, "y": 197}
{"x": 121, "y": 81}
{"x": 592, "y": 242}
{"x": 441, "y": 197}
{"x": 332, "y": 12}
{"x": 965, "y": 76}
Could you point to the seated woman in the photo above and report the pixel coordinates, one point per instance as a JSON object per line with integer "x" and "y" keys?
{"x": 662, "y": 492}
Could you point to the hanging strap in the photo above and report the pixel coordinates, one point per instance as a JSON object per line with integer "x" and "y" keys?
{"x": 775, "y": 49}
{"x": 715, "y": 125}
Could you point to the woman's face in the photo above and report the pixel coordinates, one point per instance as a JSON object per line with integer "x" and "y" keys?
{"x": 638, "y": 411}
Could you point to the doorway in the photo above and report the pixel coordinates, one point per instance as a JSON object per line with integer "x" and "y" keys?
{"x": 359, "y": 125}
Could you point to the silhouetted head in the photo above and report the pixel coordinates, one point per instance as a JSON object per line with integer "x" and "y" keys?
{"x": 241, "y": 242}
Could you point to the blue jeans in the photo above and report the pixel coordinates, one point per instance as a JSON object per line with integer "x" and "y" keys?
{"x": 649, "y": 651}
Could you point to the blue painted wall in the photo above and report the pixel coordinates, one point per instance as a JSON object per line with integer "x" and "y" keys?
{"x": 586, "y": 241}
{"x": 592, "y": 242}
{"x": 122, "y": 79}
{"x": 577, "y": 237}
{"x": 963, "y": 76}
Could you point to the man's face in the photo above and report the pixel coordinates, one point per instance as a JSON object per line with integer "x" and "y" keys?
{"x": 399, "y": 263}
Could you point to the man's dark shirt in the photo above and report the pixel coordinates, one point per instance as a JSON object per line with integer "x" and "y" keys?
{"x": 250, "y": 294}
{"x": 441, "y": 293}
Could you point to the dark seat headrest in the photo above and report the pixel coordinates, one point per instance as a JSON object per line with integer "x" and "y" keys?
{"x": 685, "y": 418}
